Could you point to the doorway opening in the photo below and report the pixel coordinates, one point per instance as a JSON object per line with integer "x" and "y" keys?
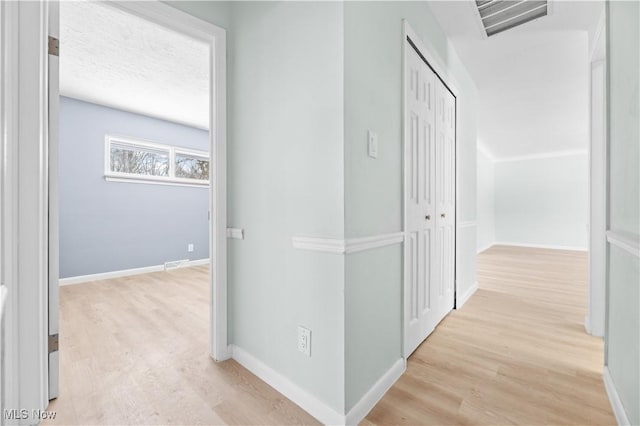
{"x": 137, "y": 189}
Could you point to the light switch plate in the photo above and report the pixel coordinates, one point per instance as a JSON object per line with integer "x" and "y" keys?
{"x": 372, "y": 144}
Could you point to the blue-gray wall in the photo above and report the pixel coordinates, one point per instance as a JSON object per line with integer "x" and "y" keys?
{"x": 110, "y": 226}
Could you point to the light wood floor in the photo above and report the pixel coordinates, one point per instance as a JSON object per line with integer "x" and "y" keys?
{"x": 135, "y": 350}
{"x": 516, "y": 353}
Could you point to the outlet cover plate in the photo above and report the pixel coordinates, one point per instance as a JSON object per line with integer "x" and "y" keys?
{"x": 304, "y": 340}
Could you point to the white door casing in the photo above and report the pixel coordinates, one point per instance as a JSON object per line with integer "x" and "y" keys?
{"x": 53, "y": 205}
{"x": 595, "y": 321}
{"x": 430, "y": 197}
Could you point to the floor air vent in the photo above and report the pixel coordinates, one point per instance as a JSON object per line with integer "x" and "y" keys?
{"x": 175, "y": 264}
{"x": 501, "y": 15}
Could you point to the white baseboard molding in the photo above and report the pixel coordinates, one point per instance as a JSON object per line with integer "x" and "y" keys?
{"x": 460, "y": 301}
{"x": 124, "y": 273}
{"x": 614, "y": 399}
{"x": 487, "y": 247}
{"x": 282, "y": 384}
{"x": 542, "y": 246}
{"x": 587, "y": 324}
{"x": 375, "y": 394}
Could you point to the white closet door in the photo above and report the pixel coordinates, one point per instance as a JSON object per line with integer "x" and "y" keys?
{"x": 443, "y": 292}
{"x": 420, "y": 313}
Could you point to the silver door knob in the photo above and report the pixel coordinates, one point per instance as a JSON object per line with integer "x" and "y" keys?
{"x": 442, "y": 215}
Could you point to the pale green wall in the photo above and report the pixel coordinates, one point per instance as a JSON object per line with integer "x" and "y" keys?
{"x": 297, "y": 72}
{"x": 623, "y": 329}
{"x": 623, "y": 277}
{"x": 373, "y": 187}
{"x": 217, "y": 12}
{"x": 285, "y": 178}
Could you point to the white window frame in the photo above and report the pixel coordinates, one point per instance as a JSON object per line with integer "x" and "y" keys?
{"x": 112, "y": 176}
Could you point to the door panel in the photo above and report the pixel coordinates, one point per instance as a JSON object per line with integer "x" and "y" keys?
{"x": 429, "y": 201}
{"x": 445, "y": 218}
{"x": 419, "y": 184}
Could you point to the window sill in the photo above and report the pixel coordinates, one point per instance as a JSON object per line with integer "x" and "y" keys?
{"x": 155, "y": 181}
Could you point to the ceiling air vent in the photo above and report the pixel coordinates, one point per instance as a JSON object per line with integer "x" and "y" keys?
{"x": 500, "y": 15}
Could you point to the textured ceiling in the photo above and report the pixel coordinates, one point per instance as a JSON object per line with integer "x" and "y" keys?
{"x": 112, "y": 58}
{"x": 532, "y": 80}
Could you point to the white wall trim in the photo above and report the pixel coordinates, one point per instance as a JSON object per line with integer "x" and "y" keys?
{"x": 461, "y": 300}
{"x": 350, "y": 245}
{"x": 360, "y": 410}
{"x": 625, "y": 241}
{"x": 481, "y": 147}
{"x": 542, "y": 246}
{"x": 614, "y": 398}
{"x": 285, "y": 386}
{"x": 126, "y": 272}
{"x": 487, "y": 247}
{"x": 599, "y": 34}
{"x": 367, "y": 243}
{"x": 568, "y": 153}
{"x": 467, "y": 224}
{"x": 327, "y": 245}
{"x": 587, "y": 323}
{"x": 235, "y": 233}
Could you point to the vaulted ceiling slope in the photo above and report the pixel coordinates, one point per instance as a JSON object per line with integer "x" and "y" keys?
{"x": 533, "y": 80}
{"x": 115, "y": 59}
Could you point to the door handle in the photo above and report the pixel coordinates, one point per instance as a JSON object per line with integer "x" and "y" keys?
{"x": 428, "y": 217}
{"x": 442, "y": 215}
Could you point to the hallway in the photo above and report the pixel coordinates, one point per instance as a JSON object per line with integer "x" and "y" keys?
{"x": 516, "y": 353}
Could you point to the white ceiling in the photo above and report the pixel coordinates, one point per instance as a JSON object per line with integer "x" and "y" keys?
{"x": 112, "y": 58}
{"x": 532, "y": 80}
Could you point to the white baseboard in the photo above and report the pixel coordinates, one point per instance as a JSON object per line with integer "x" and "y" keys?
{"x": 487, "y": 247}
{"x": 587, "y": 324}
{"x": 542, "y": 246}
{"x": 460, "y": 301}
{"x": 375, "y": 394}
{"x": 614, "y": 399}
{"x": 124, "y": 273}
{"x": 282, "y": 384}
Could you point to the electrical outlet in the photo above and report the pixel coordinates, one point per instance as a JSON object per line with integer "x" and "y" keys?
{"x": 304, "y": 340}
{"x": 190, "y": 248}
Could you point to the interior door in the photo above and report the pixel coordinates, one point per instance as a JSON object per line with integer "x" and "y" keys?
{"x": 420, "y": 315}
{"x": 53, "y": 193}
{"x": 444, "y": 292}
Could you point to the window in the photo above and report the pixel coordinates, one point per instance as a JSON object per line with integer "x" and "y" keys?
{"x": 128, "y": 159}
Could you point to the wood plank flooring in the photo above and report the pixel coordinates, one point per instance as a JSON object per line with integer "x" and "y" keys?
{"x": 134, "y": 350}
{"x": 516, "y": 353}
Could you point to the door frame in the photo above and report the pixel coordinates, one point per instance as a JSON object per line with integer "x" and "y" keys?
{"x": 215, "y": 36}
{"x": 595, "y": 318}
{"x": 437, "y": 65}
{"x": 25, "y": 185}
